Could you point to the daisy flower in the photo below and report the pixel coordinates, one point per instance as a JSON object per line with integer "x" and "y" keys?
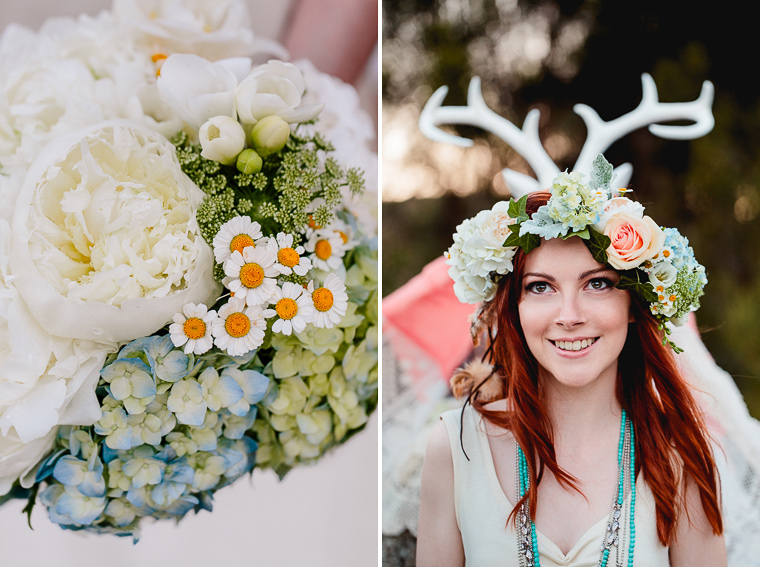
{"x": 239, "y": 329}
{"x": 345, "y": 232}
{"x": 252, "y": 274}
{"x": 327, "y": 250}
{"x": 290, "y": 259}
{"x": 330, "y": 302}
{"x": 192, "y": 328}
{"x": 236, "y": 234}
{"x": 293, "y": 308}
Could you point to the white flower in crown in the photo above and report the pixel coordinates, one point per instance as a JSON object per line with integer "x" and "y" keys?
{"x": 330, "y": 302}
{"x": 239, "y": 328}
{"x": 485, "y": 246}
{"x": 662, "y": 274}
{"x": 236, "y": 234}
{"x": 289, "y": 258}
{"x": 615, "y": 206}
{"x": 192, "y": 328}
{"x": 326, "y": 248}
{"x": 293, "y": 308}
{"x": 252, "y": 274}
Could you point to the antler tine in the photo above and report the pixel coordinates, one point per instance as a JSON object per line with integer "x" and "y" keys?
{"x": 526, "y": 141}
{"x": 601, "y": 134}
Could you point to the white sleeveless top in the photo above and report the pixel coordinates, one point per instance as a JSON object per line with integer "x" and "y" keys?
{"x": 482, "y": 510}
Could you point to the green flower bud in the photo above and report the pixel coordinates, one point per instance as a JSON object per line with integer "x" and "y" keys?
{"x": 248, "y": 162}
{"x": 269, "y": 135}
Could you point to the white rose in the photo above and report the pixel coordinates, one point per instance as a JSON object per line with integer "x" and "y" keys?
{"x": 663, "y": 274}
{"x": 214, "y": 30}
{"x": 275, "y": 88}
{"x": 616, "y": 206}
{"x": 105, "y": 242}
{"x": 222, "y": 139}
{"x": 196, "y": 89}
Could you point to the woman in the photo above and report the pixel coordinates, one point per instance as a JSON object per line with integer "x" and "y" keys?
{"x": 587, "y": 394}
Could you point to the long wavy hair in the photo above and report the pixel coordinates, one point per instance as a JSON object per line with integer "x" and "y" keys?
{"x": 671, "y": 440}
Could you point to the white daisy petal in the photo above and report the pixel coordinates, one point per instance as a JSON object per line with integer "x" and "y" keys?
{"x": 329, "y": 302}
{"x": 236, "y": 234}
{"x": 192, "y": 328}
{"x": 239, "y": 328}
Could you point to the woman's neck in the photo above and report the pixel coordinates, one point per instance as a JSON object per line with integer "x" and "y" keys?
{"x": 581, "y": 415}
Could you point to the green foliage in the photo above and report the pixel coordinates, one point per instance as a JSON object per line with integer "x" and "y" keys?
{"x": 296, "y": 185}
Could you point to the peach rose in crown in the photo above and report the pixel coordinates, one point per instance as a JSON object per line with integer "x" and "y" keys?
{"x": 633, "y": 240}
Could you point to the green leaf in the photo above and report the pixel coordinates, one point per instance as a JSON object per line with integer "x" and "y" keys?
{"x": 516, "y": 209}
{"x": 531, "y": 241}
{"x": 631, "y": 280}
{"x": 30, "y": 504}
{"x": 584, "y": 234}
{"x": 597, "y": 244}
{"x": 527, "y": 242}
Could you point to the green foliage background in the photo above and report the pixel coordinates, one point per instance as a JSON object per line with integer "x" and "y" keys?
{"x": 709, "y": 188}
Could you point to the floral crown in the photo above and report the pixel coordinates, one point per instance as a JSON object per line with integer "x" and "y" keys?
{"x": 656, "y": 263}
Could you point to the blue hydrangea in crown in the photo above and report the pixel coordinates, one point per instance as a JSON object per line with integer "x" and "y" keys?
{"x": 188, "y": 265}
{"x": 590, "y": 202}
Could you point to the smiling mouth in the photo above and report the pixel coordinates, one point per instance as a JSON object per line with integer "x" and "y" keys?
{"x": 575, "y": 345}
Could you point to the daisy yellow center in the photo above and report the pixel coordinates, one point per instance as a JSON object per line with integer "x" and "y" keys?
{"x": 194, "y": 328}
{"x": 322, "y": 249}
{"x": 323, "y": 299}
{"x": 343, "y": 236}
{"x": 288, "y": 257}
{"x": 286, "y": 308}
{"x": 237, "y": 325}
{"x": 241, "y": 241}
{"x": 312, "y": 224}
{"x": 251, "y": 275}
{"x": 673, "y": 298}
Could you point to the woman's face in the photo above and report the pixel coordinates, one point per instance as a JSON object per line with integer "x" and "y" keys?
{"x": 574, "y": 320}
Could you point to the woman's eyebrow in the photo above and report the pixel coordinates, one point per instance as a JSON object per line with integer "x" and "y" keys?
{"x": 582, "y": 276}
{"x": 539, "y": 275}
{"x": 588, "y": 273}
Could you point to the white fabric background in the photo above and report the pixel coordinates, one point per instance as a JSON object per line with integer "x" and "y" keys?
{"x": 325, "y": 515}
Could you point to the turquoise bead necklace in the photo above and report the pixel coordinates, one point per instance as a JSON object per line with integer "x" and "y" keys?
{"x": 527, "y": 545}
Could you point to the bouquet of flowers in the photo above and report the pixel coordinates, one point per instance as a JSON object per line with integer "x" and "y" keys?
{"x": 188, "y": 262}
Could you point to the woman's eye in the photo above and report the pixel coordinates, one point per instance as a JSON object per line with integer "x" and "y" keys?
{"x": 537, "y": 287}
{"x": 600, "y": 283}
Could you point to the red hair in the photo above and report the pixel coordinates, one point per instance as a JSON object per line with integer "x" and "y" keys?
{"x": 671, "y": 440}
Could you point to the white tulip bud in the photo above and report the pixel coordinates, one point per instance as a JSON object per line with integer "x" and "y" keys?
{"x": 269, "y": 135}
{"x": 222, "y": 139}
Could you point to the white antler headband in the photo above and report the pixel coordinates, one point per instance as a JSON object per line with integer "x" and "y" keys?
{"x": 601, "y": 134}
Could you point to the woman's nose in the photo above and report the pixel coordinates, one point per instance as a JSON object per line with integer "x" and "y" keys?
{"x": 571, "y": 312}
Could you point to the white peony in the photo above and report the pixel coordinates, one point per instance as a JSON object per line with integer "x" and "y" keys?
{"x": 45, "y": 381}
{"x": 68, "y": 75}
{"x": 276, "y": 88}
{"x": 105, "y": 242}
{"x": 214, "y": 30}
{"x": 486, "y": 247}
